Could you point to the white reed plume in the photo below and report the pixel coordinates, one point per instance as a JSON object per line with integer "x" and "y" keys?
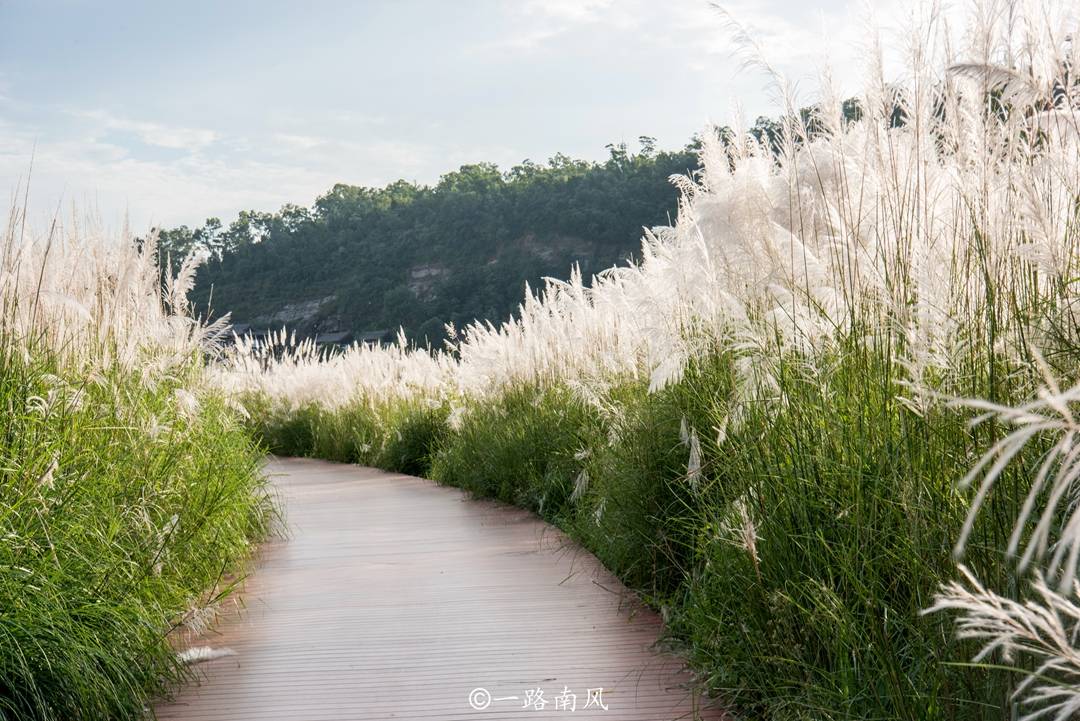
{"x": 298, "y": 374}
{"x": 1051, "y": 418}
{"x": 201, "y": 654}
{"x": 1043, "y": 630}
{"x": 934, "y": 220}
{"x": 95, "y": 300}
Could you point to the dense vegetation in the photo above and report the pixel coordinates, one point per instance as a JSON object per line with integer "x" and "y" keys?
{"x": 793, "y": 559}
{"x": 128, "y": 487}
{"x": 764, "y": 424}
{"x": 420, "y": 257}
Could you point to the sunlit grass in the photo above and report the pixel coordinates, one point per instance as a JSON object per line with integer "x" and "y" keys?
{"x": 129, "y": 488}
{"x": 753, "y": 424}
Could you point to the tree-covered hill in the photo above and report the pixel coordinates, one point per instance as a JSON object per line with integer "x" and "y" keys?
{"x": 419, "y": 257}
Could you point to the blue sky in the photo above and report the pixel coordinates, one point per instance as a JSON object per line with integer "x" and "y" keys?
{"x": 172, "y": 112}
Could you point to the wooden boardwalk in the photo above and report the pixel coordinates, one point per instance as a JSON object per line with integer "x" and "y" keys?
{"x": 394, "y": 597}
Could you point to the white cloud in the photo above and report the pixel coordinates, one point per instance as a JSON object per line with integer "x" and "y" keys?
{"x": 156, "y": 134}
{"x": 215, "y": 176}
{"x": 695, "y": 29}
{"x": 537, "y": 23}
{"x": 795, "y": 40}
{"x": 366, "y": 134}
{"x": 525, "y": 40}
{"x": 574, "y": 11}
{"x": 299, "y": 142}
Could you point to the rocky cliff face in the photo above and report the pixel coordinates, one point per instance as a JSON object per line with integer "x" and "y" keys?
{"x": 306, "y": 317}
{"x": 426, "y": 293}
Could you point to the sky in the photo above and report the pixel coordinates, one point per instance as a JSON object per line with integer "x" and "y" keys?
{"x": 171, "y": 112}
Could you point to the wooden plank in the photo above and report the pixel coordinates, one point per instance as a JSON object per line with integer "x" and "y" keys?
{"x": 393, "y": 597}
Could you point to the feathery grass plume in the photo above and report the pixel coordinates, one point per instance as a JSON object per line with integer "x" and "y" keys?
{"x": 1051, "y": 500}
{"x": 108, "y": 539}
{"x": 201, "y": 654}
{"x": 1044, "y": 629}
{"x": 822, "y": 289}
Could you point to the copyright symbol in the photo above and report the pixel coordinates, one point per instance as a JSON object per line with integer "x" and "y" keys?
{"x": 479, "y": 698}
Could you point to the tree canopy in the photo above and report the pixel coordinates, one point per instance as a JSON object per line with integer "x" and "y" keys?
{"x": 420, "y": 256}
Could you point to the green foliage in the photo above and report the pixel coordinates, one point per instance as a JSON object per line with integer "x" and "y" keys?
{"x": 851, "y": 500}
{"x": 417, "y": 434}
{"x": 520, "y": 448}
{"x": 420, "y": 257}
{"x": 636, "y": 516}
{"x": 796, "y": 563}
{"x": 120, "y": 512}
{"x": 400, "y": 437}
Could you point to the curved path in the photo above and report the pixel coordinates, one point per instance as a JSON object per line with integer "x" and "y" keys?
{"x": 394, "y": 597}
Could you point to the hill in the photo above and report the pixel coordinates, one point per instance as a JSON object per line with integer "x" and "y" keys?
{"x": 415, "y": 256}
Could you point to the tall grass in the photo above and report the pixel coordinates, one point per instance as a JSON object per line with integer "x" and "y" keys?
{"x": 129, "y": 488}
{"x": 752, "y": 425}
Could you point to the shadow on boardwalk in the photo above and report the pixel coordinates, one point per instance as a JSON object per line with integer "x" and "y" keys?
{"x": 394, "y": 597}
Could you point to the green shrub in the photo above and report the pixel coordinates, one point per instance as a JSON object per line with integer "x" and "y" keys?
{"x": 823, "y": 531}
{"x": 519, "y": 447}
{"x": 795, "y": 562}
{"x": 121, "y": 506}
{"x": 414, "y": 433}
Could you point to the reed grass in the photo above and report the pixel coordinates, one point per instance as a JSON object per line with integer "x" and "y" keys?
{"x": 129, "y": 488}
{"x": 755, "y": 424}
